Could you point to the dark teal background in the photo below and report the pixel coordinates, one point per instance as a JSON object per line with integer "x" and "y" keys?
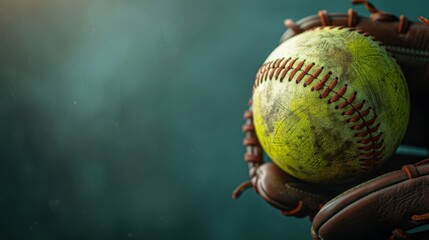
{"x": 122, "y": 119}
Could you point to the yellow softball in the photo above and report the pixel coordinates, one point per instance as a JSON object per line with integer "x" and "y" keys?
{"x": 330, "y": 105}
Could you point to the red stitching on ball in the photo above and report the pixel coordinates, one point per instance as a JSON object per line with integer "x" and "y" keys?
{"x": 365, "y": 123}
{"x": 295, "y": 70}
{"x": 371, "y": 139}
{"x": 372, "y": 146}
{"x": 354, "y": 109}
{"x": 290, "y": 66}
{"x": 340, "y": 93}
{"x": 333, "y": 83}
{"x": 279, "y": 69}
{"x": 360, "y": 115}
{"x": 371, "y": 154}
{"x": 311, "y": 78}
{"x": 322, "y": 82}
{"x": 284, "y": 70}
{"x": 277, "y": 62}
{"x": 368, "y": 131}
{"x": 270, "y": 73}
{"x": 304, "y": 73}
{"x": 325, "y": 93}
{"x": 347, "y": 102}
{"x": 284, "y": 62}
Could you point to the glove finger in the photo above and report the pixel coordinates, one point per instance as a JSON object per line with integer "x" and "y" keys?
{"x": 291, "y": 195}
{"x": 399, "y": 199}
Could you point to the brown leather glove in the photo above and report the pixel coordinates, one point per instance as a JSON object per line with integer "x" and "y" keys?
{"x": 382, "y": 208}
{"x": 392, "y": 193}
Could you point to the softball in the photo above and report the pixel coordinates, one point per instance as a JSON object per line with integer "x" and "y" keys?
{"x": 330, "y": 105}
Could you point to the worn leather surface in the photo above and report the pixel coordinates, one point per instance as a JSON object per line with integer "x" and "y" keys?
{"x": 386, "y": 201}
{"x": 373, "y": 209}
{"x": 414, "y": 42}
{"x": 285, "y": 192}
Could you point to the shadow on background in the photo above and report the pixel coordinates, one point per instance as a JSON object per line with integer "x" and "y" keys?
{"x": 122, "y": 119}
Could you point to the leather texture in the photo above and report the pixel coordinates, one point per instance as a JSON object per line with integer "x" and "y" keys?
{"x": 290, "y": 195}
{"x": 399, "y": 199}
{"x": 391, "y": 201}
{"x": 410, "y": 47}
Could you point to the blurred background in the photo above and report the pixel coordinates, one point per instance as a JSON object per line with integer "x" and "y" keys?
{"x": 122, "y": 119}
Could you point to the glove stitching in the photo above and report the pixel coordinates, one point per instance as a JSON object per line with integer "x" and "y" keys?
{"x": 303, "y": 192}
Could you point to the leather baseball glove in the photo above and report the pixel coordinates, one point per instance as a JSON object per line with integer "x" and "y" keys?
{"x": 395, "y": 199}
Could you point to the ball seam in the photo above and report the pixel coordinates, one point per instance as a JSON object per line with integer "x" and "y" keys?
{"x": 371, "y": 139}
